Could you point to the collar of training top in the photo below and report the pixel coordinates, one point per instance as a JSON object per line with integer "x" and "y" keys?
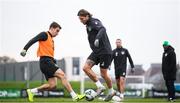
{"x": 50, "y": 33}
{"x": 89, "y": 20}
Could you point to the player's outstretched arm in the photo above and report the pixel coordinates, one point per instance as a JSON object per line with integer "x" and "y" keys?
{"x": 131, "y": 62}
{"x": 40, "y": 37}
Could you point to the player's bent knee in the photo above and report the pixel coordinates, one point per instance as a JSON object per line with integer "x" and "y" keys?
{"x": 85, "y": 69}
{"x": 122, "y": 83}
{"x": 52, "y": 87}
{"x": 103, "y": 75}
{"x": 60, "y": 74}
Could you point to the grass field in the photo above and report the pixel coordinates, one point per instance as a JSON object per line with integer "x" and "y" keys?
{"x": 76, "y": 85}
{"x": 32, "y": 84}
{"x": 69, "y": 100}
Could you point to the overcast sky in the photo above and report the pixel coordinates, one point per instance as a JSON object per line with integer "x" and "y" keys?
{"x": 142, "y": 25}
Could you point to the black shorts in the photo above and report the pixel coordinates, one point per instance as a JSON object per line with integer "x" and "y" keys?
{"x": 120, "y": 73}
{"x": 103, "y": 59}
{"x": 48, "y": 66}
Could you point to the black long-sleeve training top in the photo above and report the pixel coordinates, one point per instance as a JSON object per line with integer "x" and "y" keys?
{"x": 96, "y": 30}
{"x": 120, "y": 56}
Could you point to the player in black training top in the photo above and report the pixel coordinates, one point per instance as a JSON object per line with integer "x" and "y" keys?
{"x": 120, "y": 56}
{"x": 101, "y": 52}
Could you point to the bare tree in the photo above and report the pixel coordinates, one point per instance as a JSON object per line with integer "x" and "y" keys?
{"x": 6, "y": 59}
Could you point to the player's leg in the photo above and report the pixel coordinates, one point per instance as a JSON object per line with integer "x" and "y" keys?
{"x": 91, "y": 61}
{"x": 51, "y": 84}
{"x": 87, "y": 69}
{"x": 122, "y": 86}
{"x": 50, "y": 69}
{"x": 106, "y": 77}
{"x": 89, "y": 72}
{"x": 118, "y": 86}
{"x": 117, "y": 77}
{"x": 61, "y": 76}
{"x": 47, "y": 68}
{"x": 105, "y": 61}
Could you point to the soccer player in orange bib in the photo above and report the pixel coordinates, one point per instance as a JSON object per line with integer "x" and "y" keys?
{"x": 48, "y": 64}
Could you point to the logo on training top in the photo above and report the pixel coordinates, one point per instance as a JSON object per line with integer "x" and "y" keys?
{"x": 116, "y": 54}
{"x": 102, "y": 64}
{"x": 96, "y": 22}
{"x": 124, "y": 73}
{"x": 165, "y": 54}
{"x": 122, "y": 52}
{"x": 89, "y": 28}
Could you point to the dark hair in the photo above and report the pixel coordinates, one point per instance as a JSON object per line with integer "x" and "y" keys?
{"x": 54, "y": 25}
{"x": 118, "y": 39}
{"x": 84, "y": 12}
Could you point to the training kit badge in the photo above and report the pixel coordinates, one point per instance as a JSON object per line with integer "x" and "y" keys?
{"x": 166, "y": 54}
{"x": 102, "y": 64}
{"x": 116, "y": 53}
{"x": 122, "y": 52}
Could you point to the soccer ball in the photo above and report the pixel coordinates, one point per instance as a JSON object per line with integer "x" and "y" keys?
{"x": 116, "y": 98}
{"x": 90, "y": 94}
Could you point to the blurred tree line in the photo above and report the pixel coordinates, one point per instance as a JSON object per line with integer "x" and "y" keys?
{"x": 6, "y": 59}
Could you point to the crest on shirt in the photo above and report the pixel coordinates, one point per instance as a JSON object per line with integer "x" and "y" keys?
{"x": 122, "y": 52}
{"x": 116, "y": 54}
{"x": 96, "y": 22}
{"x": 124, "y": 73}
{"x": 165, "y": 54}
{"x": 102, "y": 64}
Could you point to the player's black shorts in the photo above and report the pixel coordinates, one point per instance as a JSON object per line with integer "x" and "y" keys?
{"x": 120, "y": 73}
{"x": 103, "y": 59}
{"x": 48, "y": 66}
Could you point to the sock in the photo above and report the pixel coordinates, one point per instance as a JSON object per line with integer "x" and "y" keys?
{"x": 111, "y": 90}
{"x": 34, "y": 90}
{"x": 73, "y": 94}
{"x": 118, "y": 93}
{"x": 99, "y": 84}
{"x": 122, "y": 95}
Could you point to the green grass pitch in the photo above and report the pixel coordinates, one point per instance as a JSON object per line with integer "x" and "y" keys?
{"x": 69, "y": 100}
{"x": 76, "y": 85}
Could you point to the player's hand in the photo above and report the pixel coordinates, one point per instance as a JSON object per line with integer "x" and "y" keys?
{"x": 23, "y": 53}
{"x": 96, "y": 43}
{"x": 132, "y": 70}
